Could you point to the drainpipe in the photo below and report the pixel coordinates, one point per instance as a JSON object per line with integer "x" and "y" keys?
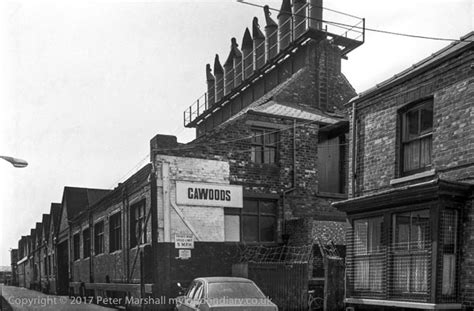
{"x": 354, "y": 147}
{"x": 293, "y": 188}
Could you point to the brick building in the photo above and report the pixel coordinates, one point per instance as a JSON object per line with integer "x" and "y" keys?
{"x": 268, "y": 161}
{"x": 411, "y": 187}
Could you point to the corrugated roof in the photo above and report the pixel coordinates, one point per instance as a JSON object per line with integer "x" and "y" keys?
{"x": 451, "y": 50}
{"x": 292, "y": 111}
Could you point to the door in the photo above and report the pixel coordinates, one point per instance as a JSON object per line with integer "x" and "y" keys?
{"x": 63, "y": 269}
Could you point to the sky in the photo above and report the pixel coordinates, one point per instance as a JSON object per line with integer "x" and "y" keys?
{"x": 85, "y": 85}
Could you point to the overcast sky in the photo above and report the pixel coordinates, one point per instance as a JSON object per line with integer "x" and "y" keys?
{"x": 85, "y": 85}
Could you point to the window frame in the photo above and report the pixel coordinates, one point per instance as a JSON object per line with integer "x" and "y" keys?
{"x": 99, "y": 238}
{"x": 134, "y": 221}
{"x": 76, "y": 246}
{"x": 115, "y": 232}
{"x": 241, "y": 212}
{"x": 404, "y": 138}
{"x": 86, "y": 243}
{"x": 265, "y": 146}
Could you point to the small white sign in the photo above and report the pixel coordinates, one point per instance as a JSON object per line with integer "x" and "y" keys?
{"x": 184, "y": 254}
{"x": 183, "y": 241}
{"x": 202, "y": 194}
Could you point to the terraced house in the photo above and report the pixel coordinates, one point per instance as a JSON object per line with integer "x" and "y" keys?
{"x": 411, "y": 187}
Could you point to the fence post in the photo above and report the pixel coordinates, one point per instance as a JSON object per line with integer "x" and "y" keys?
{"x": 333, "y": 283}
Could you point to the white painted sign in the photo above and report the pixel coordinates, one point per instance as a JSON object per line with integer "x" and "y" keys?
{"x": 184, "y": 254}
{"x": 203, "y": 194}
{"x": 183, "y": 241}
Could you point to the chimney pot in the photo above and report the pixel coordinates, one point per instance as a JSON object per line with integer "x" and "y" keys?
{"x": 258, "y": 45}
{"x": 271, "y": 34}
{"x": 247, "y": 55}
{"x": 211, "y": 88}
{"x": 219, "y": 79}
{"x": 284, "y": 25}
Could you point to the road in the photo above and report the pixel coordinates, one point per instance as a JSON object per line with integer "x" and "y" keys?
{"x": 24, "y": 299}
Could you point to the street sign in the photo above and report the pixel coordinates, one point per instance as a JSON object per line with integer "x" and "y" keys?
{"x": 183, "y": 241}
{"x": 184, "y": 254}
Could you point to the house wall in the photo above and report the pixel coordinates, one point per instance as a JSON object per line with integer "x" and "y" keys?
{"x": 452, "y": 88}
{"x": 451, "y": 85}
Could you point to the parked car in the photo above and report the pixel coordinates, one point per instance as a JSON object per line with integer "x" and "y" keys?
{"x": 224, "y": 293}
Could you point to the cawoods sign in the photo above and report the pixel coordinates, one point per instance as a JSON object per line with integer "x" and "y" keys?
{"x": 202, "y": 194}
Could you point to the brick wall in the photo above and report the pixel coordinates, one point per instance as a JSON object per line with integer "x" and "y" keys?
{"x": 451, "y": 86}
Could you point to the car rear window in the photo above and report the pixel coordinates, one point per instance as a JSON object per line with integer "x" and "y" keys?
{"x": 234, "y": 290}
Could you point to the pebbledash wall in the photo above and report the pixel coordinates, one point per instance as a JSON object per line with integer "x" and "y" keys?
{"x": 381, "y": 189}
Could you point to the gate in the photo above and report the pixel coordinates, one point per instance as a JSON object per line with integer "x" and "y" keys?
{"x": 286, "y": 284}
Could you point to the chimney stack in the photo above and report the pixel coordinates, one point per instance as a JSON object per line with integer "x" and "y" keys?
{"x": 258, "y": 45}
{"x": 237, "y": 55}
{"x": 315, "y": 14}
{"x": 211, "y": 88}
{"x": 299, "y": 15}
{"x": 219, "y": 77}
{"x": 271, "y": 34}
{"x": 284, "y": 25}
{"x": 247, "y": 56}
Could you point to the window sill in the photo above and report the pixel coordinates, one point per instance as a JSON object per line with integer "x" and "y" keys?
{"x": 332, "y": 195}
{"x": 404, "y": 304}
{"x": 412, "y": 177}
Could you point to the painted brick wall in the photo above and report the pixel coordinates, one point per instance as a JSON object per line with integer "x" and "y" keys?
{"x": 207, "y": 222}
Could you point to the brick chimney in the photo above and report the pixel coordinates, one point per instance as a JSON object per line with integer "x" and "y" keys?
{"x": 299, "y": 16}
{"x": 229, "y": 71}
{"x": 219, "y": 76}
{"x": 258, "y": 45}
{"x": 237, "y": 55}
{"x": 271, "y": 34}
{"x": 211, "y": 86}
{"x": 315, "y": 14}
{"x": 284, "y": 25}
{"x": 247, "y": 56}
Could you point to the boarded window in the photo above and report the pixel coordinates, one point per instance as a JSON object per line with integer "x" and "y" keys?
{"x": 76, "y": 246}
{"x": 331, "y": 153}
{"x": 86, "y": 241}
{"x": 115, "y": 232}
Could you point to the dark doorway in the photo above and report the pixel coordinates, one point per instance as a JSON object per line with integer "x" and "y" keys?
{"x": 63, "y": 268}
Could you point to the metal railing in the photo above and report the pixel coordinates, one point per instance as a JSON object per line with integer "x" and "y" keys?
{"x": 297, "y": 25}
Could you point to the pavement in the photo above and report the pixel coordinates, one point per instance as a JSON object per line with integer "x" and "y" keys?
{"x": 20, "y": 298}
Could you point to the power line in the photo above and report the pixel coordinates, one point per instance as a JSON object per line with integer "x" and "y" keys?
{"x": 342, "y": 25}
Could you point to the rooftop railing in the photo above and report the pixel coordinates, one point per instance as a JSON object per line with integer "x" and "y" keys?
{"x": 342, "y": 29}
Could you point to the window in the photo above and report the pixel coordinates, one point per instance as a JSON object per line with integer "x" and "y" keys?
{"x": 137, "y": 224}
{"x": 255, "y": 222}
{"x": 411, "y": 249}
{"x": 449, "y": 249}
{"x": 115, "y": 233}
{"x": 76, "y": 246}
{"x": 331, "y": 155}
{"x": 86, "y": 241}
{"x": 99, "y": 238}
{"x": 264, "y": 145}
{"x": 416, "y": 138}
{"x": 368, "y": 254}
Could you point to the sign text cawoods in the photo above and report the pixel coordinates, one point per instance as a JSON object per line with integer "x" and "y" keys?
{"x": 203, "y": 194}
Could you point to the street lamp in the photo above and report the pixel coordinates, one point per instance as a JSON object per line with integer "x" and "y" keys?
{"x": 15, "y": 161}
